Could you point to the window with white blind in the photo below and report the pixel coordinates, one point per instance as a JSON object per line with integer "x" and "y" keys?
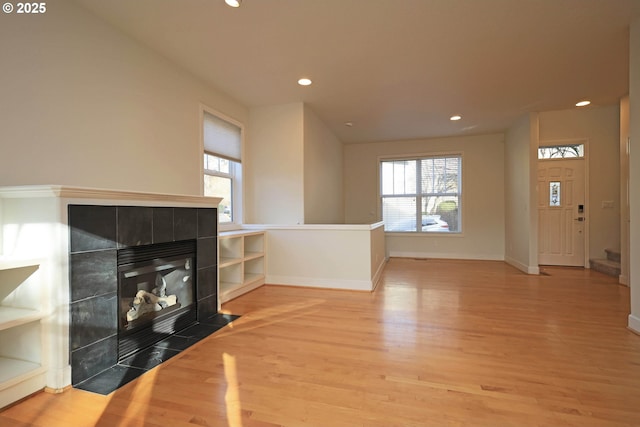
{"x": 422, "y": 195}
{"x": 223, "y": 165}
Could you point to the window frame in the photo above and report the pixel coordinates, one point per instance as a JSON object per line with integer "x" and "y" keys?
{"x": 579, "y": 147}
{"x": 235, "y": 170}
{"x": 419, "y": 195}
{"x": 231, "y": 175}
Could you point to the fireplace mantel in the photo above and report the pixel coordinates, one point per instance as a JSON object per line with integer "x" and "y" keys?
{"x": 34, "y": 226}
{"x": 109, "y": 196}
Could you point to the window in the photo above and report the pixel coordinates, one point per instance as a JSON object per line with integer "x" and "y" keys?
{"x": 561, "y": 151}
{"x": 218, "y": 182}
{"x": 422, "y": 195}
{"x": 222, "y": 165}
{"x": 554, "y": 193}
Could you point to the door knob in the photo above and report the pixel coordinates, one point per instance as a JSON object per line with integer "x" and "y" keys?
{"x": 579, "y": 219}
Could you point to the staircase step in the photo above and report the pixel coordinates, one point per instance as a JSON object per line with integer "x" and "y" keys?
{"x": 606, "y": 266}
{"x": 613, "y": 255}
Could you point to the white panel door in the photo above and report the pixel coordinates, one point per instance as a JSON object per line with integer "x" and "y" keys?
{"x": 561, "y": 212}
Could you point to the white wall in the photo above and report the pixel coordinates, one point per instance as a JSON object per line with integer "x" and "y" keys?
{"x": 634, "y": 172}
{"x": 332, "y": 256}
{"x": 482, "y": 200}
{"x": 323, "y": 177}
{"x": 83, "y": 104}
{"x": 601, "y": 127}
{"x": 274, "y": 177}
{"x": 521, "y": 231}
{"x": 294, "y": 168}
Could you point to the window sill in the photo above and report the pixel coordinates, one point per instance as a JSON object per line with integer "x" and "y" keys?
{"x": 423, "y": 234}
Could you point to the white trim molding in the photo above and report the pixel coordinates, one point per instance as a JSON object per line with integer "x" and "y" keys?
{"x": 634, "y": 323}
{"x": 320, "y": 282}
{"x": 435, "y": 255}
{"x": 378, "y": 274}
{"x": 106, "y": 196}
{"x": 343, "y": 227}
{"x": 529, "y": 269}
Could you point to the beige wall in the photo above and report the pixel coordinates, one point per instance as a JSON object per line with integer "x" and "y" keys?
{"x": 634, "y": 172}
{"x": 83, "y": 104}
{"x": 482, "y": 202}
{"x": 601, "y": 127}
{"x": 275, "y": 168}
{"x": 521, "y": 240}
{"x": 294, "y": 168}
{"x": 323, "y": 177}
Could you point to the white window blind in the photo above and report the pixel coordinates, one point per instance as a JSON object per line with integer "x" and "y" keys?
{"x": 422, "y": 195}
{"x": 222, "y": 138}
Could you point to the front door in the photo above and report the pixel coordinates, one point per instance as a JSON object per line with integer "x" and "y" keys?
{"x": 561, "y": 212}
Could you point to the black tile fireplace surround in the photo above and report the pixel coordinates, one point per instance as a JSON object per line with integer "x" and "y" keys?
{"x": 96, "y": 234}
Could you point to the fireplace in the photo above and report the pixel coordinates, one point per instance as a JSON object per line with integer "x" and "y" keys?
{"x": 156, "y": 293}
{"x": 139, "y": 276}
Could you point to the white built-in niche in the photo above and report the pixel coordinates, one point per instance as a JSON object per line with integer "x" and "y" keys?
{"x": 241, "y": 262}
{"x": 22, "y": 370}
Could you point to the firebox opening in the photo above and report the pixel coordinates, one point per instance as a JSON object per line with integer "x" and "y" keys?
{"x": 156, "y": 293}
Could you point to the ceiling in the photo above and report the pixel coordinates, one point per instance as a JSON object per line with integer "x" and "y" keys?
{"x": 396, "y": 69}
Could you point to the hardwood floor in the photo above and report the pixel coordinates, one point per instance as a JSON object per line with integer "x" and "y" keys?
{"x": 439, "y": 343}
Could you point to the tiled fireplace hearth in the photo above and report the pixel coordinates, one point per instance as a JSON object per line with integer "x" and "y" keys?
{"x": 97, "y": 234}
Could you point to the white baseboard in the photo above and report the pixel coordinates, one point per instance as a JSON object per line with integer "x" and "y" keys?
{"x": 398, "y": 254}
{"x": 16, "y": 390}
{"x": 378, "y": 274}
{"x": 529, "y": 269}
{"x": 318, "y": 282}
{"x": 634, "y": 323}
{"x": 623, "y": 280}
{"x": 59, "y": 378}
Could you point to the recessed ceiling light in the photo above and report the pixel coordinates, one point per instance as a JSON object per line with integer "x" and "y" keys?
{"x": 233, "y": 3}
{"x": 454, "y": 118}
{"x": 304, "y": 82}
{"x": 348, "y": 124}
{"x": 582, "y": 103}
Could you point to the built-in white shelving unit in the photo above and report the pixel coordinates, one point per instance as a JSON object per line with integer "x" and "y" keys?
{"x": 21, "y": 340}
{"x": 241, "y": 262}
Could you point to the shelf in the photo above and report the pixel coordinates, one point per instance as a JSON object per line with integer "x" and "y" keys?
{"x": 225, "y": 262}
{"x": 15, "y": 273}
{"x": 229, "y": 291}
{"x": 13, "y": 371}
{"x": 11, "y": 317}
{"x": 11, "y": 263}
{"x": 239, "y": 233}
{"x": 249, "y": 279}
{"x": 253, "y": 255}
{"x": 252, "y": 277}
{"x": 225, "y": 286}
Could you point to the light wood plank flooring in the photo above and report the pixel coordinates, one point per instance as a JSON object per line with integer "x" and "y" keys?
{"x": 439, "y": 343}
